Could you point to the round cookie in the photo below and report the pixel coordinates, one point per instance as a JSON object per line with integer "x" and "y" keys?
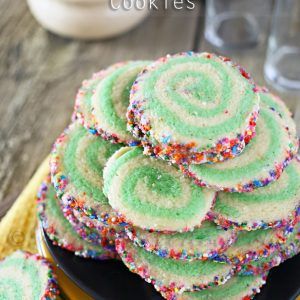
{"x": 292, "y": 245}
{"x": 83, "y": 102}
{"x": 102, "y": 101}
{"x": 28, "y": 277}
{"x": 101, "y": 235}
{"x": 193, "y": 108}
{"x": 261, "y": 163}
{"x": 169, "y": 275}
{"x": 272, "y": 206}
{"x": 153, "y": 195}
{"x": 87, "y": 227}
{"x": 286, "y": 250}
{"x": 252, "y": 245}
{"x": 275, "y": 103}
{"x": 93, "y": 225}
{"x": 76, "y": 163}
{"x": 261, "y": 265}
{"x": 61, "y": 232}
{"x": 205, "y": 242}
{"x": 236, "y": 288}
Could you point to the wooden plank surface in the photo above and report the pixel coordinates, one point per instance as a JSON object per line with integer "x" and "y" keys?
{"x": 40, "y": 73}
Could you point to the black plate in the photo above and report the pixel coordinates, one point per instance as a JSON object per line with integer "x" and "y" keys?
{"x": 111, "y": 280}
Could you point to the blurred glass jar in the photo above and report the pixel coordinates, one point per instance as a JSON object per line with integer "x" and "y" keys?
{"x": 236, "y": 24}
{"x": 87, "y": 19}
{"x": 282, "y": 66}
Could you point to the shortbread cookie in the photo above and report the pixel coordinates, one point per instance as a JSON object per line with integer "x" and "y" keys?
{"x": 28, "y": 277}
{"x": 272, "y": 206}
{"x": 274, "y": 102}
{"x": 236, "y": 288}
{"x": 251, "y": 245}
{"x": 205, "y": 242}
{"x": 61, "y": 232}
{"x": 77, "y": 161}
{"x": 169, "y": 275}
{"x": 262, "y": 162}
{"x": 102, "y": 101}
{"x": 292, "y": 245}
{"x": 153, "y": 195}
{"x": 261, "y": 265}
{"x": 193, "y": 108}
{"x": 83, "y": 103}
{"x": 286, "y": 250}
{"x": 101, "y": 235}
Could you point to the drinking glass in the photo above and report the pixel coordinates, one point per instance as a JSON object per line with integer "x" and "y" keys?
{"x": 282, "y": 66}
{"x": 236, "y": 24}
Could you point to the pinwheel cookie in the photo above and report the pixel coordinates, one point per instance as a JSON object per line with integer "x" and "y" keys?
{"x": 76, "y": 164}
{"x": 102, "y": 101}
{"x": 261, "y": 163}
{"x": 193, "y": 108}
{"x": 274, "y": 102}
{"x": 27, "y": 276}
{"x": 153, "y": 195}
{"x": 205, "y": 242}
{"x": 252, "y": 245}
{"x": 236, "y": 288}
{"x": 286, "y": 250}
{"x": 272, "y": 206}
{"x": 61, "y": 232}
{"x": 170, "y": 275}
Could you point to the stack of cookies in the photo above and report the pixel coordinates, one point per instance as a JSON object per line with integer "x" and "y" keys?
{"x": 184, "y": 169}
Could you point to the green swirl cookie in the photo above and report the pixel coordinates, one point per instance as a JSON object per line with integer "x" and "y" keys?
{"x": 236, "y": 288}
{"x": 252, "y": 245}
{"x": 169, "y": 275}
{"x": 102, "y": 101}
{"x": 76, "y": 163}
{"x": 205, "y": 242}
{"x": 285, "y": 251}
{"x": 151, "y": 194}
{"x": 95, "y": 224}
{"x": 261, "y": 163}
{"x": 28, "y": 277}
{"x": 63, "y": 234}
{"x": 270, "y": 206}
{"x": 193, "y": 108}
{"x": 274, "y": 102}
{"x": 292, "y": 245}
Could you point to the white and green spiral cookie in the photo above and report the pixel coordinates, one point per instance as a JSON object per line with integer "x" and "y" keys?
{"x": 274, "y": 102}
{"x": 102, "y": 101}
{"x": 205, "y": 242}
{"x": 286, "y": 250}
{"x": 76, "y": 163}
{"x": 111, "y": 99}
{"x": 252, "y": 245}
{"x": 236, "y": 288}
{"x": 153, "y": 195}
{"x": 261, "y": 265}
{"x": 28, "y": 277}
{"x": 261, "y": 163}
{"x": 169, "y": 275}
{"x": 62, "y": 233}
{"x": 193, "y": 108}
{"x": 292, "y": 245}
{"x": 270, "y": 206}
{"x": 95, "y": 223}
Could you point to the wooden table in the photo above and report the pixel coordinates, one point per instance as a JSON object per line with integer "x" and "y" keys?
{"x": 40, "y": 73}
